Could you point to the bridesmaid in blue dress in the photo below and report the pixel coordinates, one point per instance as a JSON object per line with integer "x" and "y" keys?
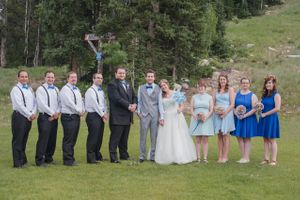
{"x": 202, "y": 126}
{"x": 223, "y": 116}
{"x": 268, "y": 126}
{"x": 246, "y": 124}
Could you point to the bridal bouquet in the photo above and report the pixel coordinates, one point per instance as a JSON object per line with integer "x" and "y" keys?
{"x": 240, "y": 111}
{"x": 219, "y": 109}
{"x": 178, "y": 97}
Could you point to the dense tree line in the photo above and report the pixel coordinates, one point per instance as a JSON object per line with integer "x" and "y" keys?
{"x": 170, "y": 36}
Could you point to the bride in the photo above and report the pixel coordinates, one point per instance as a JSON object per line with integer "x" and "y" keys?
{"x": 174, "y": 144}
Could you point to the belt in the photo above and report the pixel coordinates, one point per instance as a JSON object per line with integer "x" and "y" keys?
{"x": 67, "y": 114}
{"x": 43, "y": 113}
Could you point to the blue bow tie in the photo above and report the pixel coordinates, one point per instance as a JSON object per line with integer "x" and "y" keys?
{"x": 74, "y": 88}
{"x": 99, "y": 88}
{"x": 149, "y": 87}
{"x": 51, "y": 87}
{"x": 25, "y": 86}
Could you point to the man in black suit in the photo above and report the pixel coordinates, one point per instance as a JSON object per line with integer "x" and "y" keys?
{"x": 123, "y": 104}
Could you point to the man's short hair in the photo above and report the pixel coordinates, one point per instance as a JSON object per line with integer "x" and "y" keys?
{"x": 120, "y": 67}
{"x": 20, "y": 71}
{"x": 71, "y": 72}
{"x": 150, "y": 71}
{"x": 95, "y": 74}
{"x": 48, "y": 72}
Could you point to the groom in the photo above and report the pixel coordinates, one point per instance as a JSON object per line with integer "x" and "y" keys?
{"x": 122, "y": 101}
{"x": 150, "y": 110}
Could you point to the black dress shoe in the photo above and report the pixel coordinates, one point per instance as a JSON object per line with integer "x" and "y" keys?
{"x": 152, "y": 160}
{"x": 42, "y": 165}
{"x": 141, "y": 160}
{"x": 52, "y": 162}
{"x": 125, "y": 158}
{"x": 71, "y": 164}
{"x": 115, "y": 161}
{"x": 95, "y": 163}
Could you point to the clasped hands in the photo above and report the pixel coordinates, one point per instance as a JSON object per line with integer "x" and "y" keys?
{"x": 132, "y": 107}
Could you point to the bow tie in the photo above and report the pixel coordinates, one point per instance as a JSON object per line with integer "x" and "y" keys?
{"x": 149, "y": 87}
{"x": 51, "y": 87}
{"x": 74, "y": 88}
{"x": 99, "y": 88}
{"x": 25, "y": 86}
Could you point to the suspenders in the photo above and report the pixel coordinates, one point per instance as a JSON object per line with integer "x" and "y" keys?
{"x": 22, "y": 95}
{"x": 48, "y": 97}
{"x": 96, "y": 95}
{"x": 75, "y": 100}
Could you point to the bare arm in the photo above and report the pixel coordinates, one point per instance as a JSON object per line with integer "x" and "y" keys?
{"x": 254, "y": 100}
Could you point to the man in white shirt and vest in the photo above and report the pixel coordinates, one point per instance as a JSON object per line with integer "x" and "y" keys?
{"x": 150, "y": 110}
{"x": 49, "y": 108}
{"x": 24, "y": 112}
{"x": 72, "y": 108}
{"x": 95, "y": 106}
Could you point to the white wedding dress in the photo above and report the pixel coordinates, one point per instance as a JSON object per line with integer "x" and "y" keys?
{"x": 174, "y": 143}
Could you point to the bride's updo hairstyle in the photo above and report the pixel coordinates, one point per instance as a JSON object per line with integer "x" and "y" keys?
{"x": 166, "y": 82}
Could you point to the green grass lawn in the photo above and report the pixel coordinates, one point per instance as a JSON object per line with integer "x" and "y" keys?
{"x": 131, "y": 180}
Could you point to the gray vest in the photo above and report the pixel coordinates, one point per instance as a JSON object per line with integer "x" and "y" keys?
{"x": 149, "y": 103}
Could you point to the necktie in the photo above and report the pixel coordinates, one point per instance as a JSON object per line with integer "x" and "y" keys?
{"x": 124, "y": 84}
{"x": 51, "y": 87}
{"x": 25, "y": 86}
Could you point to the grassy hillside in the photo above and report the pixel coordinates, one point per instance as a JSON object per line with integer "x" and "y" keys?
{"x": 279, "y": 30}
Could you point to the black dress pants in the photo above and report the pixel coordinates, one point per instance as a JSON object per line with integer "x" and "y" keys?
{"x": 71, "y": 125}
{"x": 45, "y": 146}
{"x": 119, "y": 138}
{"x": 95, "y": 126}
{"x": 20, "y": 131}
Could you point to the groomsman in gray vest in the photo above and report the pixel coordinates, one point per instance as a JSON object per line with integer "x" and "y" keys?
{"x": 151, "y": 113}
{"x": 49, "y": 109}
{"x": 24, "y": 112}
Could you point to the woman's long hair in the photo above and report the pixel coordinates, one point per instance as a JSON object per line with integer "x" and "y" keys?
{"x": 227, "y": 82}
{"x": 166, "y": 82}
{"x": 267, "y": 92}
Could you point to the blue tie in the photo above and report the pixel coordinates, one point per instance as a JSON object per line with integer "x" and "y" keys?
{"x": 149, "y": 86}
{"x": 25, "y": 86}
{"x": 51, "y": 87}
{"x": 99, "y": 88}
{"x": 74, "y": 88}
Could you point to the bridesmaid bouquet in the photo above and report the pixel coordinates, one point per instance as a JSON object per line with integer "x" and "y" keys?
{"x": 240, "y": 111}
{"x": 178, "y": 97}
{"x": 201, "y": 116}
{"x": 219, "y": 110}
{"x": 259, "y": 106}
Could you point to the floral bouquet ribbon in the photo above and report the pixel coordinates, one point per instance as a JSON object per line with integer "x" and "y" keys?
{"x": 200, "y": 117}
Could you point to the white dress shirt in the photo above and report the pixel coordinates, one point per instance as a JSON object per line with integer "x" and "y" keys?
{"x": 91, "y": 102}
{"x": 26, "y": 106}
{"x": 42, "y": 99}
{"x": 149, "y": 91}
{"x": 71, "y": 100}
